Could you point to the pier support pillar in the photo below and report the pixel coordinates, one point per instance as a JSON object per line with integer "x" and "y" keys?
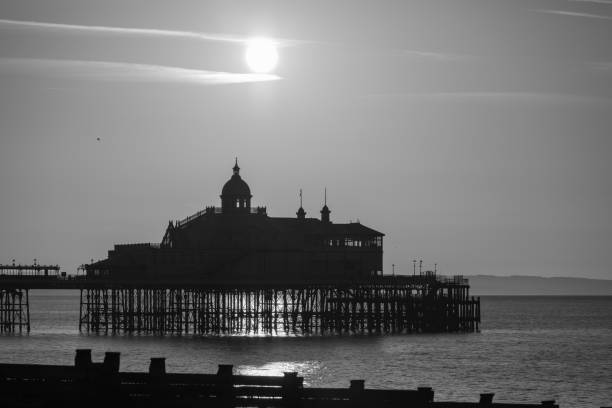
{"x": 14, "y": 310}
{"x": 381, "y": 307}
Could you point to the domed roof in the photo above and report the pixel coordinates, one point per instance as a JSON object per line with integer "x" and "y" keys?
{"x": 236, "y": 186}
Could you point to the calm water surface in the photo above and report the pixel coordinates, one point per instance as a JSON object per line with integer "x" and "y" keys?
{"x": 529, "y": 349}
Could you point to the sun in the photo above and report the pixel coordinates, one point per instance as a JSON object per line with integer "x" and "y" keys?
{"x": 261, "y": 55}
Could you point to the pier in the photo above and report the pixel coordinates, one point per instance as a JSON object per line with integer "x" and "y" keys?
{"x": 14, "y": 310}
{"x": 385, "y": 304}
{"x": 15, "y": 296}
{"x": 235, "y": 269}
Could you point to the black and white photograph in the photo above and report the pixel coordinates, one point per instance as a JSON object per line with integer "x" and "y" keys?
{"x": 309, "y": 204}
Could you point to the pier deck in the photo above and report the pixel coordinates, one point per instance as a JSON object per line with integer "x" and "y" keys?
{"x": 381, "y": 304}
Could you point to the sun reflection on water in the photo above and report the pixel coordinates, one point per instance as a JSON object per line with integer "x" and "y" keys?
{"x": 306, "y": 369}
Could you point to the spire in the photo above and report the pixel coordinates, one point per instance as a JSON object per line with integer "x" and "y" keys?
{"x": 325, "y": 210}
{"x": 236, "y": 168}
{"x": 301, "y": 214}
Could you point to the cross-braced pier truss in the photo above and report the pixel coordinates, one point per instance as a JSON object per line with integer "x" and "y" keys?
{"x": 384, "y": 305}
{"x": 14, "y": 310}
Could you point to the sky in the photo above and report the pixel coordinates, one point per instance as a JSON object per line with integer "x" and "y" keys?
{"x": 475, "y": 134}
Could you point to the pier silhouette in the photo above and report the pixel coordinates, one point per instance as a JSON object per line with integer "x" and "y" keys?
{"x": 236, "y": 270}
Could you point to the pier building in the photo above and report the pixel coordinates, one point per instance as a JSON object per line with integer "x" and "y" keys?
{"x": 238, "y": 242}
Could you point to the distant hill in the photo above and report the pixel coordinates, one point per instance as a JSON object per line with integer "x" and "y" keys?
{"x": 536, "y": 285}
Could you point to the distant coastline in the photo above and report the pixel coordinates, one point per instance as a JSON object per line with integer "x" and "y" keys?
{"x": 517, "y": 285}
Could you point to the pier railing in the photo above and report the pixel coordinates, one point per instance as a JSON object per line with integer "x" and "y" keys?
{"x": 185, "y": 220}
{"x": 82, "y": 281}
{"x": 101, "y": 384}
{"x": 29, "y": 271}
{"x": 214, "y": 210}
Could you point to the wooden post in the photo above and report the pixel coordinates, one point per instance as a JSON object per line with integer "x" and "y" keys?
{"x": 225, "y": 385}
{"x": 290, "y": 390}
{"x": 157, "y": 366}
{"x": 82, "y": 359}
{"x": 111, "y": 362}
{"x": 105, "y": 382}
{"x": 356, "y": 391}
{"x": 157, "y": 379}
{"x": 486, "y": 399}
{"x": 83, "y": 378}
{"x": 426, "y": 394}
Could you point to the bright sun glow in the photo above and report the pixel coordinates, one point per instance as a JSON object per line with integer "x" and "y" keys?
{"x": 261, "y": 55}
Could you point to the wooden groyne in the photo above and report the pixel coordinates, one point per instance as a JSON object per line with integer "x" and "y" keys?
{"x": 88, "y": 384}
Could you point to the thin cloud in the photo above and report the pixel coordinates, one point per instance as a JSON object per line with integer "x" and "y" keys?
{"x": 601, "y": 65}
{"x": 147, "y": 32}
{"x": 575, "y": 14}
{"x": 124, "y": 72}
{"x": 608, "y": 2}
{"x": 493, "y": 96}
{"x": 402, "y": 52}
{"x": 516, "y": 96}
{"x": 437, "y": 56}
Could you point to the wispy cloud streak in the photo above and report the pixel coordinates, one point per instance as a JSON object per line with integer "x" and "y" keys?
{"x": 575, "y": 14}
{"x": 436, "y": 56}
{"x": 493, "y": 96}
{"x": 147, "y": 32}
{"x": 601, "y": 65}
{"x": 609, "y": 2}
{"x": 516, "y": 96}
{"x": 126, "y": 72}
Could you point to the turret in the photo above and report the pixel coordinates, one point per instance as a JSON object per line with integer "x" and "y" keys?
{"x": 301, "y": 214}
{"x": 236, "y": 194}
{"x": 325, "y": 211}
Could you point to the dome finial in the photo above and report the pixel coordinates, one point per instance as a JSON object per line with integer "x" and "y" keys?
{"x": 301, "y": 214}
{"x": 236, "y": 168}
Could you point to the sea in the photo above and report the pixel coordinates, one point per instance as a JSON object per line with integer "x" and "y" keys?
{"x": 529, "y": 349}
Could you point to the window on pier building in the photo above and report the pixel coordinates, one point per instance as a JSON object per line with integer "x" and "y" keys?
{"x": 352, "y": 242}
